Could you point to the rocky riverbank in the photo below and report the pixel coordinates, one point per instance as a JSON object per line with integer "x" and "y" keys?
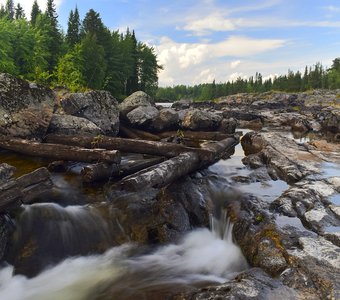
{"x": 291, "y": 242}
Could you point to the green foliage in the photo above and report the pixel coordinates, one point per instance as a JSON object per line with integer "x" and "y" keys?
{"x": 88, "y": 57}
{"x": 313, "y": 78}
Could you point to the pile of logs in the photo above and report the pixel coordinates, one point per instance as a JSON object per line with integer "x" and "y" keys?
{"x": 165, "y": 162}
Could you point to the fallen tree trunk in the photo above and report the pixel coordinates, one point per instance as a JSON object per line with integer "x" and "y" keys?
{"x": 128, "y": 145}
{"x": 174, "y": 168}
{"x": 163, "y": 173}
{"x": 103, "y": 171}
{"x": 137, "y": 133}
{"x": 59, "y": 152}
{"x": 24, "y": 189}
{"x": 195, "y": 135}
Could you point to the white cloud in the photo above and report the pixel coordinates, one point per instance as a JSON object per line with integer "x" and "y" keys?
{"x": 27, "y": 5}
{"x": 195, "y": 63}
{"x": 332, "y": 9}
{"x": 234, "y": 64}
{"x": 235, "y": 76}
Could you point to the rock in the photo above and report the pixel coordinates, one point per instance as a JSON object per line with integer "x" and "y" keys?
{"x": 133, "y": 101}
{"x": 99, "y": 107}
{"x": 71, "y": 125}
{"x": 291, "y": 161}
{"x": 5, "y": 227}
{"x": 6, "y": 172}
{"x": 182, "y": 104}
{"x": 330, "y": 119}
{"x": 251, "y": 284}
{"x": 241, "y": 115}
{"x": 142, "y": 116}
{"x": 167, "y": 119}
{"x": 25, "y": 108}
{"x": 228, "y": 125}
{"x": 201, "y": 120}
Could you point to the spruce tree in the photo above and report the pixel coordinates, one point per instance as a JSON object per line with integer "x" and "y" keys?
{"x": 73, "y": 29}
{"x": 56, "y": 39}
{"x": 132, "y": 81}
{"x": 35, "y": 12}
{"x": 19, "y": 12}
{"x": 2, "y": 11}
{"x": 9, "y": 9}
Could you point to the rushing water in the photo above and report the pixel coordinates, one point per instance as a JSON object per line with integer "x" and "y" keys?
{"x": 128, "y": 271}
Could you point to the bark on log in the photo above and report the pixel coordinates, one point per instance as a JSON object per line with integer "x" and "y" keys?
{"x": 24, "y": 189}
{"x": 196, "y": 135}
{"x": 103, "y": 171}
{"x": 174, "y": 168}
{"x": 98, "y": 172}
{"x": 128, "y": 145}
{"x": 137, "y": 133}
{"x": 60, "y": 152}
{"x": 163, "y": 173}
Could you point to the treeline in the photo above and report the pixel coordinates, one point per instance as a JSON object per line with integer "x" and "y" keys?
{"x": 87, "y": 56}
{"x": 316, "y": 77}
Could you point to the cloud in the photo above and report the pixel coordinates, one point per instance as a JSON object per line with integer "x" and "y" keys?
{"x": 27, "y": 5}
{"x": 332, "y": 9}
{"x": 199, "y": 62}
{"x": 234, "y": 64}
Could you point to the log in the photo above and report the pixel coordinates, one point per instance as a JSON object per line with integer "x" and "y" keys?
{"x": 196, "y": 135}
{"x": 128, "y": 145}
{"x": 137, "y": 133}
{"x": 103, "y": 171}
{"x": 174, "y": 168}
{"x": 162, "y": 174}
{"x": 24, "y": 189}
{"x": 59, "y": 152}
{"x": 99, "y": 172}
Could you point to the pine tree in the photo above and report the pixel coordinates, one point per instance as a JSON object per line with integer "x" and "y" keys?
{"x": 132, "y": 81}
{"x": 9, "y": 9}
{"x": 56, "y": 39}
{"x": 73, "y": 29}
{"x": 2, "y": 11}
{"x": 35, "y": 12}
{"x": 19, "y": 12}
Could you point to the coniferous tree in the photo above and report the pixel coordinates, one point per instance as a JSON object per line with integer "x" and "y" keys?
{"x": 56, "y": 39}
{"x": 2, "y": 11}
{"x": 132, "y": 80}
{"x": 9, "y": 9}
{"x": 19, "y": 12}
{"x": 35, "y": 12}
{"x": 73, "y": 29}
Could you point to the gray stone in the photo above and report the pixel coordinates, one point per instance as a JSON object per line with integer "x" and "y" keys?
{"x": 142, "y": 116}
{"x": 25, "y": 109}
{"x": 133, "y": 101}
{"x": 99, "y": 107}
{"x": 201, "y": 120}
{"x": 228, "y": 125}
{"x": 167, "y": 119}
{"x": 6, "y": 172}
{"x": 71, "y": 125}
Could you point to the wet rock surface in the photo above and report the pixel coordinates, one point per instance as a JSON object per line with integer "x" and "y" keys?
{"x": 99, "y": 107}
{"x": 25, "y": 108}
{"x": 71, "y": 125}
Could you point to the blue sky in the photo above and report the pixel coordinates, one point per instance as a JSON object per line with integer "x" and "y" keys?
{"x": 202, "y": 40}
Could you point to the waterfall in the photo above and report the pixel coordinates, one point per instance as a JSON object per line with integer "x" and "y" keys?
{"x": 128, "y": 272}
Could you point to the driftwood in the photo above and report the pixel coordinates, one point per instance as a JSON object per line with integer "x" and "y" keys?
{"x": 174, "y": 168}
{"x": 137, "y": 133}
{"x": 24, "y": 189}
{"x": 163, "y": 173}
{"x": 196, "y": 135}
{"x": 103, "y": 171}
{"x": 129, "y": 145}
{"x": 59, "y": 152}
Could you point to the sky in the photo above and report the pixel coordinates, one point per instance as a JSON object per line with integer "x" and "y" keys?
{"x": 199, "y": 41}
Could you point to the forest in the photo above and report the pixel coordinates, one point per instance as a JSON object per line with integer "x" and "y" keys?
{"x": 316, "y": 77}
{"x": 87, "y": 56}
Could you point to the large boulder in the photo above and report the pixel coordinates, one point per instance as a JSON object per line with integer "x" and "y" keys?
{"x": 71, "y": 125}
{"x": 25, "y": 108}
{"x": 142, "y": 116}
{"x": 135, "y": 100}
{"x": 201, "y": 120}
{"x": 167, "y": 119}
{"x": 99, "y": 107}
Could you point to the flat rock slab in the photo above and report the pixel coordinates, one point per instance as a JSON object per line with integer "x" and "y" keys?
{"x": 25, "y": 108}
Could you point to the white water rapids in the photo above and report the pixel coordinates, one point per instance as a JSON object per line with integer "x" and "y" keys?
{"x": 202, "y": 256}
